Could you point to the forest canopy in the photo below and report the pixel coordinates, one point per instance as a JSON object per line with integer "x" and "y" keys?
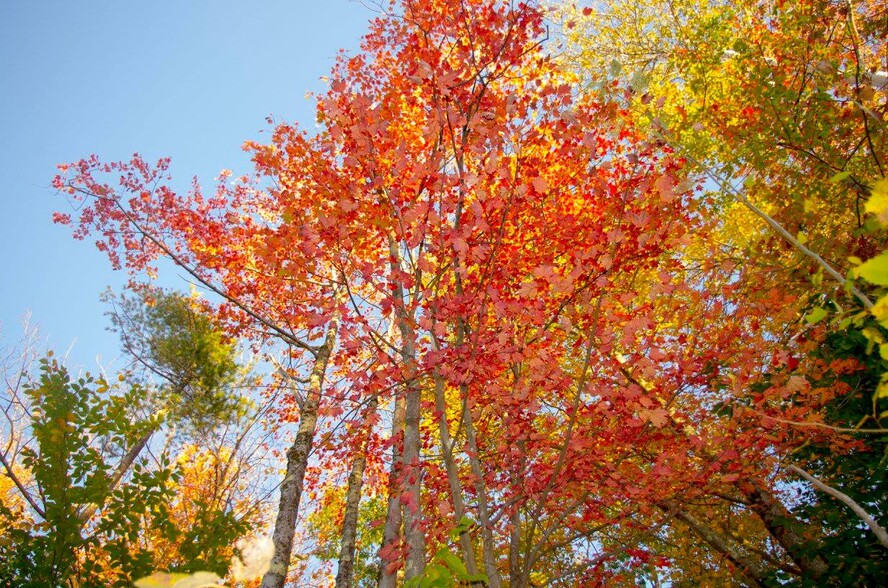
{"x": 575, "y": 294}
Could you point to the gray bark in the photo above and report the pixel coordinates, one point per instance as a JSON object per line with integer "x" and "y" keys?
{"x": 297, "y": 462}
{"x": 782, "y": 525}
{"x": 413, "y": 532}
{"x": 456, "y": 493}
{"x": 515, "y": 548}
{"x": 412, "y": 471}
{"x": 487, "y": 543}
{"x": 345, "y": 571}
{"x": 392, "y": 531}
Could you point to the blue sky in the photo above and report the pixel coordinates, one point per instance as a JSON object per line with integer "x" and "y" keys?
{"x": 187, "y": 79}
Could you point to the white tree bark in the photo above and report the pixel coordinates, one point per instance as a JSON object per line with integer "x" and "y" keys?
{"x": 297, "y": 462}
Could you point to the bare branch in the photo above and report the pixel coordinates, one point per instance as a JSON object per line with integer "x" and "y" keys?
{"x": 880, "y": 532}
{"x": 27, "y": 495}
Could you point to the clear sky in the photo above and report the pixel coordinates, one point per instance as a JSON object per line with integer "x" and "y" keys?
{"x": 189, "y": 79}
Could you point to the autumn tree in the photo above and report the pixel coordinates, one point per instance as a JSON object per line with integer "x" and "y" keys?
{"x": 496, "y": 205}
{"x": 66, "y": 477}
{"x": 779, "y": 108}
{"x": 500, "y": 301}
{"x": 85, "y": 501}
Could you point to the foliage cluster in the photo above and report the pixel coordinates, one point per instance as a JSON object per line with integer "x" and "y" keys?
{"x": 92, "y": 499}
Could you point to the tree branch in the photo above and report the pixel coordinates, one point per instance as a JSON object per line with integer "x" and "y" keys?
{"x": 21, "y": 487}
{"x": 742, "y": 199}
{"x": 122, "y": 468}
{"x": 880, "y": 532}
{"x": 878, "y": 431}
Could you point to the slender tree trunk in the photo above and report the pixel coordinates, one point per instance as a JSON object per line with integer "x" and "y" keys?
{"x": 392, "y": 531}
{"x": 517, "y": 531}
{"x": 345, "y": 572}
{"x": 487, "y": 543}
{"x": 126, "y": 462}
{"x": 753, "y": 570}
{"x": 515, "y": 549}
{"x": 413, "y": 531}
{"x": 782, "y": 525}
{"x": 456, "y": 492}
{"x": 412, "y": 471}
{"x": 297, "y": 462}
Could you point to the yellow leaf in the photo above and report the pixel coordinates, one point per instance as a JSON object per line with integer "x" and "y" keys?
{"x": 882, "y": 389}
{"x": 165, "y": 580}
{"x": 159, "y": 580}
{"x": 878, "y": 201}
{"x": 880, "y": 311}
{"x": 875, "y": 270}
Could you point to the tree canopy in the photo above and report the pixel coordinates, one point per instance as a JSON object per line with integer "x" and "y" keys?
{"x": 586, "y": 295}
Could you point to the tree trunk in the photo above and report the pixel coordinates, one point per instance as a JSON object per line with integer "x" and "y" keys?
{"x": 345, "y": 572}
{"x": 413, "y": 531}
{"x": 487, "y": 544}
{"x": 392, "y": 530}
{"x": 515, "y": 548}
{"x": 297, "y": 462}
{"x": 782, "y": 525}
{"x": 456, "y": 493}
{"x": 412, "y": 471}
{"x": 752, "y": 569}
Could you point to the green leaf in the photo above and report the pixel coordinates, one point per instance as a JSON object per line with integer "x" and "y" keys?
{"x": 816, "y": 315}
{"x": 640, "y": 81}
{"x": 436, "y": 576}
{"x": 453, "y": 562}
{"x": 817, "y": 278}
{"x": 875, "y": 270}
{"x": 839, "y": 177}
{"x": 465, "y": 523}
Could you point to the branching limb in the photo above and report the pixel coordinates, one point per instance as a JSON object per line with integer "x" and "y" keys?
{"x": 876, "y": 431}
{"x": 27, "y": 495}
{"x": 879, "y": 531}
{"x": 740, "y": 197}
